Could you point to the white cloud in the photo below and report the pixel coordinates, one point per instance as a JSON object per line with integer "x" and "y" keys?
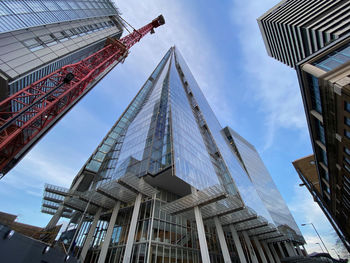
{"x": 274, "y": 85}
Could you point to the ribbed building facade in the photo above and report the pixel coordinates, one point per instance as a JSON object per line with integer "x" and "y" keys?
{"x": 169, "y": 184}
{"x": 39, "y": 37}
{"x": 294, "y": 29}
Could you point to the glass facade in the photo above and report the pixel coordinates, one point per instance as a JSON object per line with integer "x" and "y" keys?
{"x": 30, "y": 78}
{"x": 18, "y": 14}
{"x": 40, "y": 36}
{"x": 262, "y": 181}
{"x": 320, "y": 131}
{"x": 334, "y": 59}
{"x": 315, "y": 93}
{"x": 163, "y": 132}
{"x": 169, "y": 138}
{"x": 105, "y": 160}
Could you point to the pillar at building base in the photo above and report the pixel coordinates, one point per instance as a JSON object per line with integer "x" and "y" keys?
{"x": 290, "y": 249}
{"x": 250, "y": 247}
{"x": 54, "y": 219}
{"x": 90, "y": 235}
{"x": 108, "y": 236}
{"x": 299, "y": 251}
{"x": 223, "y": 244}
{"x": 132, "y": 230}
{"x": 260, "y": 250}
{"x": 274, "y": 253}
{"x": 238, "y": 245}
{"x": 304, "y": 251}
{"x": 268, "y": 252}
{"x": 201, "y": 235}
{"x": 281, "y": 250}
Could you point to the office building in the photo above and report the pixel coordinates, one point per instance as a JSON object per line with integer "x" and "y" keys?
{"x": 292, "y": 30}
{"x": 39, "y": 37}
{"x": 325, "y": 87}
{"x": 169, "y": 184}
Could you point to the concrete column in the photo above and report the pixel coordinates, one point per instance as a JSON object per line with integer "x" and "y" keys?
{"x": 281, "y": 250}
{"x": 305, "y": 252}
{"x": 201, "y": 235}
{"x": 90, "y": 235}
{"x": 54, "y": 219}
{"x": 260, "y": 250}
{"x": 289, "y": 248}
{"x": 238, "y": 245}
{"x": 132, "y": 229}
{"x": 317, "y": 72}
{"x": 250, "y": 247}
{"x": 268, "y": 252}
{"x": 299, "y": 251}
{"x": 108, "y": 236}
{"x": 274, "y": 253}
{"x": 223, "y": 244}
{"x": 149, "y": 249}
{"x": 296, "y": 252}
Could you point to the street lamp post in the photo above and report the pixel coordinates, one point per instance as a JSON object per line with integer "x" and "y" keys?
{"x": 336, "y": 252}
{"x": 317, "y": 234}
{"x": 320, "y": 246}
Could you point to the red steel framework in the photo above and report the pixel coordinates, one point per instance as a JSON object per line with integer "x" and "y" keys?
{"x": 28, "y": 114}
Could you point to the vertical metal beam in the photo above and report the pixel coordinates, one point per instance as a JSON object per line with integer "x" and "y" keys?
{"x": 238, "y": 245}
{"x": 260, "y": 250}
{"x": 201, "y": 235}
{"x": 108, "y": 236}
{"x": 149, "y": 251}
{"x": 90, "y": 235}
{"x": 250, "y": 247}
{"x": 281, "y": 249}
{"x": 223, "y": 244}
{"x": 274, "y": 253}
{"x": 132, "y": 229}
{"x": 268, "y": 252}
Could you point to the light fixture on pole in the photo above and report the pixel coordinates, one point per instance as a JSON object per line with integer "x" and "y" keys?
{"x": 336, "y": 252}
{"x": 317, "y": 234}
{"x": 320, "y": 246}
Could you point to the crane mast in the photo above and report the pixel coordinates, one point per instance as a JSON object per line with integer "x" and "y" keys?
{"x": 28, "y": 114}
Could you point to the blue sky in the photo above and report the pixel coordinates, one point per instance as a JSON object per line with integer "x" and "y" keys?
{"x": 254, "y": 94}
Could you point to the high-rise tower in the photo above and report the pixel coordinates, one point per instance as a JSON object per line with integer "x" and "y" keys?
{"x": 168, "y": 183}
{"x": 313, "y": 37}
{"x": 39, "y": 37}
{"x": 292, "y": 30}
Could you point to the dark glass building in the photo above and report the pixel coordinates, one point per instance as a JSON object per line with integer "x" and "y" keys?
{"x": 169, "y": 184}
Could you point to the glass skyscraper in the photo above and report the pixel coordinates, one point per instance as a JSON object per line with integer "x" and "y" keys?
{"x": 41, "y": 36}
{"x": 169, "y": 184}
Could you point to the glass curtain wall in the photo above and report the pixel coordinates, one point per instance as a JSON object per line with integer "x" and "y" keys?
{"x": 18, "y": 14}
{"x": 236, "y": 176}
{"x": 262, "y": 181}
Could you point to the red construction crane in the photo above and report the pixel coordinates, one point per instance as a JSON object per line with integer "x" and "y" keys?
{"x": 28, "y": 114}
